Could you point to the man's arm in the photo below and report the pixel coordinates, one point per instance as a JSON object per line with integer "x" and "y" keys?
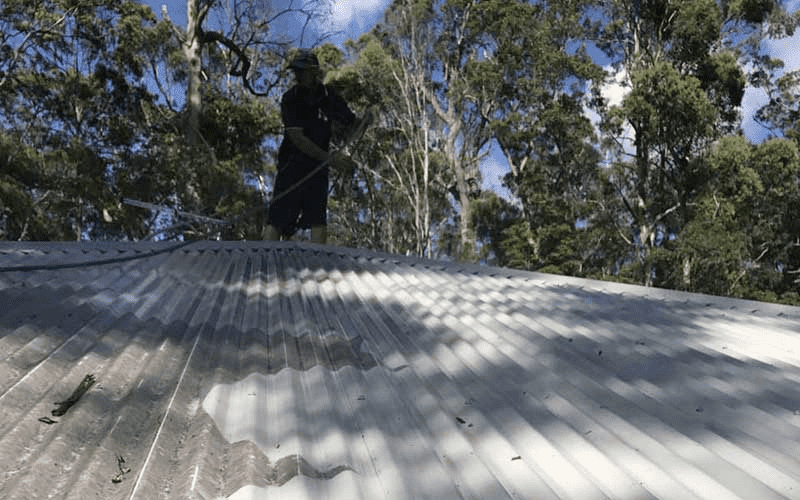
{"x": 306, "y": 145}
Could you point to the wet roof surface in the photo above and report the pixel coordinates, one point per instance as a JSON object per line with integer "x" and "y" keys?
{"x": 241, "y": 370}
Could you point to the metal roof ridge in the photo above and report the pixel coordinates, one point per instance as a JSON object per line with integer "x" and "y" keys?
{"x": 145, "y": 249}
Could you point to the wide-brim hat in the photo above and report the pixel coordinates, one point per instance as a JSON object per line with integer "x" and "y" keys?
{"x": 305, "y": 59}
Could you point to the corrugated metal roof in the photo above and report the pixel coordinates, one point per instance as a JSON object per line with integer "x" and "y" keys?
{"x": 288, "y": 371}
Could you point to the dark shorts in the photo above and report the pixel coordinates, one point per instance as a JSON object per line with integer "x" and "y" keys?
{"x": 298, "y": 206}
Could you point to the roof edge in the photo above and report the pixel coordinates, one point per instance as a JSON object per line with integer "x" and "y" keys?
{"x": 26, "y": 256}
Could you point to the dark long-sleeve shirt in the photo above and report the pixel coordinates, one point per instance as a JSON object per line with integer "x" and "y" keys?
{"x": 313, "y": 111}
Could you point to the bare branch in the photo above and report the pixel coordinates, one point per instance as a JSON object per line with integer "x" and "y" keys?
{"x": 167, "y": 95}
{"x": 14, "y": 59}
{"x": 625, "y": 238}
{"x": 241, "y": 49}
{"x": 177, "y": 31}
{"x": 202, "y": 12}
{"x": 242, "y": 65}
{"x": 766, "y": 249}
{"x": 20, "y": 48}
{"x": 667, "y": 212}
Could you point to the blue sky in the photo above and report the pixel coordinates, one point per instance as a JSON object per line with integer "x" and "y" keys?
{"x": 354, "y": 17}
{"x": 351, "y": 17}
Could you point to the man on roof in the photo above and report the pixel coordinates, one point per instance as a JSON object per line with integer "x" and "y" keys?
{"x": 300, "y": 195}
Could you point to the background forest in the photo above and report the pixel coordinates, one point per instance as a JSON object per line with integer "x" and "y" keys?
{"x": 103, "y": 101}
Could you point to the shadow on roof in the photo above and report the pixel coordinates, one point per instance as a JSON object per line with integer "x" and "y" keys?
{"x": 231, "y": 372}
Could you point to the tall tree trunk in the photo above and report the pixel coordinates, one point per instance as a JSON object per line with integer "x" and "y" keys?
{"x": 466, "y": 244}
{"x": 192, "y": 51}
{"x": 426, "y": 166}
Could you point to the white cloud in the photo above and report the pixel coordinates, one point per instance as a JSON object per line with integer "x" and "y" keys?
{"x": 614, "y": 91}
{"x": 785, "y": 49}
{"x": 617, "y": 88}
{"x": 342, "y": 13}
{"x": 349, "y": 12}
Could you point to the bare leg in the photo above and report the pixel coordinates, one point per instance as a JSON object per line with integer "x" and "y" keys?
{"x": 319, "y": 234}
{"x": 270, "y": 233}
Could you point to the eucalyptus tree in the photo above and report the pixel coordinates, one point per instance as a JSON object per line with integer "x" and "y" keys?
{"x": 742, "y": 238}
{"x": 225, "y": 42}
{"x": 539, "y": 81}
{"x": 391, "y": 201}
{"x": 72, "y": 108}
{"x": 686, "y": 84}
{"x": 247, "y": 33}
{"x": 463, "y": 103}
{"x": 781, "y": 114}
{"x": 410, "y": 131}
{"x": 507, "y": 71}
{"x": 433, "y": 41}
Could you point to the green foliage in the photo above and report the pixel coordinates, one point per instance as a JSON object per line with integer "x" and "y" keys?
{"x": 19, "y": 217}
{"x": 782, "y": 113}
{"x": 696, "y": 27}
{"x": 70, "y": 93}
{"x": 519, "y": 246}
{"x": 723, "y": 81}
{"x": 742, "y": 237}
{"x": 669, "y": 112}
{"x": 751, "y": 11}
{"x": 81, "y": 130}
{"x": 539, "y": 123}
{"x": 492, "y": 219}
{"x": 686, "y": 89}
{"x": 714, "y": 247}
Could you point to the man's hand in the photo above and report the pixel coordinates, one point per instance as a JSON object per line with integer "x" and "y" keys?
{"x": 343, "y": 164}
